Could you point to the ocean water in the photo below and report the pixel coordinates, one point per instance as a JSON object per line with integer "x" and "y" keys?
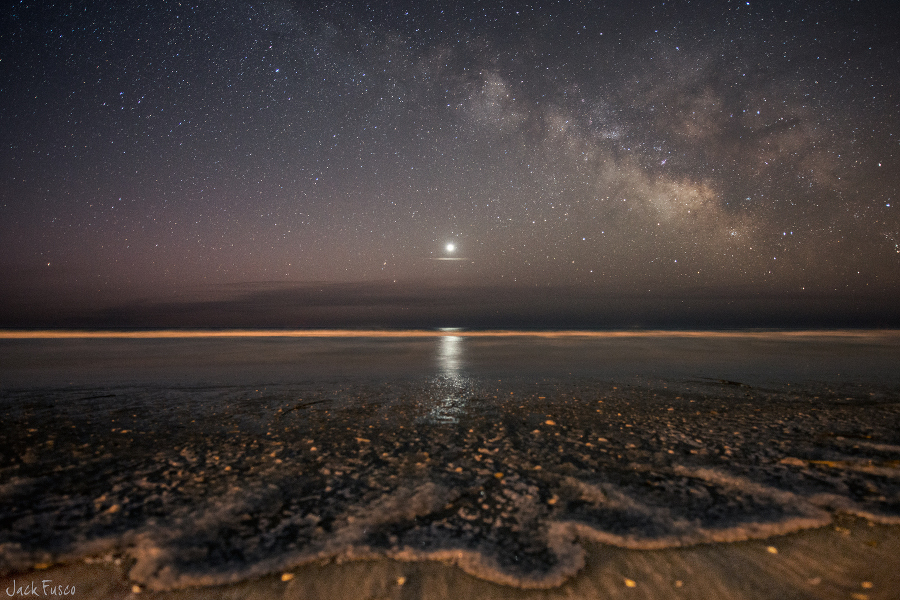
{"x": 203, "y": 461}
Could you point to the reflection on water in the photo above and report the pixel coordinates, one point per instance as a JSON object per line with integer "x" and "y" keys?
{"x": 449, "y": 355}
{"x": 451, "y": 382}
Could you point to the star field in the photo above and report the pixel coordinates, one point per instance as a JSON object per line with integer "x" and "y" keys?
{"x": 634, "y": 163}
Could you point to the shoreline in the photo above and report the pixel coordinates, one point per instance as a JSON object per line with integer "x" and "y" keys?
{"x": 373, "y": 470}
{"x": 850, "y": 558}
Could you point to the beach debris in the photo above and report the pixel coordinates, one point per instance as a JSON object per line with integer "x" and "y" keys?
{"x": 724, "y": 382}
{"x": 630, "y": 583}
{"x": 299, "y": 406}
{"x": 495, "y": 488}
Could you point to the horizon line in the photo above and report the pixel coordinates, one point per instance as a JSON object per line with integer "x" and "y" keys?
{"x": 438, "y": 332}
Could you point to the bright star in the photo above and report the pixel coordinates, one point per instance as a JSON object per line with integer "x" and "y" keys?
{"x": 451, "y": 247}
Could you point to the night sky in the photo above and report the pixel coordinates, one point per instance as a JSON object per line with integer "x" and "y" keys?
{"x": 482, "y": 164}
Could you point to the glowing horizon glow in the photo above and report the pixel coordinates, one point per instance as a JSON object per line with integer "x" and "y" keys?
{"x": 883, "y": 334}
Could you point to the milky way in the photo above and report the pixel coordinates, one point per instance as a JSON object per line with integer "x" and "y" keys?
{"x": 304, "y": 164}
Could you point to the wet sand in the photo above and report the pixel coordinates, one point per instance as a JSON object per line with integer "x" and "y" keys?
{"x": 849, "y": 559}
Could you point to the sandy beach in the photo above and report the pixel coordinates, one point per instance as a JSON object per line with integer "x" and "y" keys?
{"x": 848, "y": 559}
{"x": 444, "y": 466}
